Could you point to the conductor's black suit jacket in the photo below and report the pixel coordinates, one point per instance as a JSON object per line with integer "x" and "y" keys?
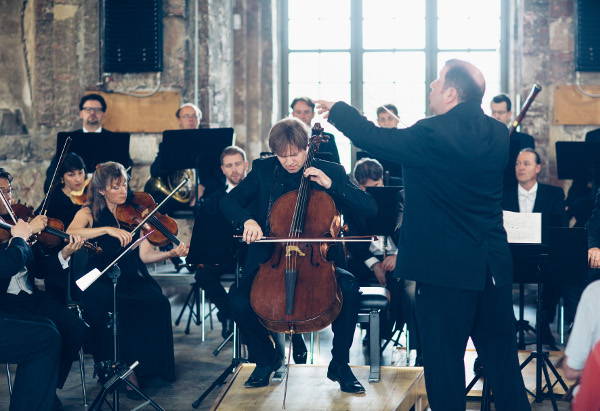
{"x": 453, "y": 167}
{"x": 258, "y": 186}
{"x": 549, "y": 200}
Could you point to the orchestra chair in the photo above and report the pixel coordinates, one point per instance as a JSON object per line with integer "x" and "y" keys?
{"x": 373, "y": 300}
{"x": 195, "y": 302}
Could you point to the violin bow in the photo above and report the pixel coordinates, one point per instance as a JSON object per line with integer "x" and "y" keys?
{"x": 58, "y": 166}
{"x": 141, "y": 224}
{"x": 351, "y": 239}
{"x": 9, "y": 209}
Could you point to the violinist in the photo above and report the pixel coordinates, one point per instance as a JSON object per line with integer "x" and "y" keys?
{"x": 269, "y": 179}
{"x": 144, "y": 312}
{"x": 71, "y": 180}
{"x": 20, "y": 264}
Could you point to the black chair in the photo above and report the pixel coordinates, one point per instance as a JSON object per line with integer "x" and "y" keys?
{"x": 373, "y": 301}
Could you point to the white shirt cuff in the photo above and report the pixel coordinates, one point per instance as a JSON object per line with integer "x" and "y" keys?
{"x": 371, "y": 262}
{"x": 64, "y": 263}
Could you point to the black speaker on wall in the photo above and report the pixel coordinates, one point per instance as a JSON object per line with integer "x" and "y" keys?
{"x": 132, "y": 36}
{"x": 587, "y": 40}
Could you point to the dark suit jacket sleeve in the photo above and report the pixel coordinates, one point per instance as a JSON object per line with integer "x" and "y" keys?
{"x": 47, "y": 263}
{"x": 331, "y": 147}
{"x": 14, "y": 257}
{"x": 407, "y": 146}
{"x": 234, "y": 205}
{"x": 558, "y": 205}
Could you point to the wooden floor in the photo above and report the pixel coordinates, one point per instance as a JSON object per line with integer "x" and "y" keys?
{"x": 309, "y": 389}
{"x": 197, "y": 368}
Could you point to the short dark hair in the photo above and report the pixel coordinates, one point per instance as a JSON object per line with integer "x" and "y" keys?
{"x": 458, "y": 76}
{"x": 6, "y": 175}
{"x": 368, "y": 169}
{"x": 391, "y": 107}
{"x": 538, "y": 160}
{"x": 307, "y": 100}
{"x": 232, "y": 150}
{"x": 72, "y": 162}
{"x": 95, "y": 97}
{"x": 502, "y": 98}
{"x": 288, "y": 132}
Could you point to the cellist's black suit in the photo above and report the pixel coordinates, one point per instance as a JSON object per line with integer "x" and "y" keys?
{"x": 265, "y": 184}
{"x": 453, "y": 244}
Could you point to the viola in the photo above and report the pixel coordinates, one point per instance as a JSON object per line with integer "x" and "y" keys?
{"x": 133, "y": 212}
{"x": 296, "y": 291}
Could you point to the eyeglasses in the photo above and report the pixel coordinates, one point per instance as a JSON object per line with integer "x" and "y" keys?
{"x": 187, "y": 116}
{"x": 8, "y": 192}
{"x": 96, "y": 110}
{"x": 499, "y": 112}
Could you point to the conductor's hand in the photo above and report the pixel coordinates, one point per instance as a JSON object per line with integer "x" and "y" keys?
{"x": 123, "y": 236}
{"x": 389, "y": 263}
{"x": 75, "y": 243}
{"x": 38, "y": 224}
{"x": 180, "y": 251}
{"x": 21, "y": 230}
{"x": 379, "y": 273}
{"x": 318, "y": 176}
{"x": 594, "y": 257}
{"x": 252, "y": 231}
{"x": 323, "y": 107}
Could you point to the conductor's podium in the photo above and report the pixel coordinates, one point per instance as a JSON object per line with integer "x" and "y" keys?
{"x": 400, "y": 388}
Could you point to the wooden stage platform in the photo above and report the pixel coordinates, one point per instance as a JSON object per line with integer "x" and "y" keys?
{"x": 309, "y": 389}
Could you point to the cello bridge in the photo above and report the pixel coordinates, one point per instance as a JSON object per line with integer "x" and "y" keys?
{"x": 290, "y": 248}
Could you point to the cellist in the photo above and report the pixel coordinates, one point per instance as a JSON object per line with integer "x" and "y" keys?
{"x": 269, "y": 179}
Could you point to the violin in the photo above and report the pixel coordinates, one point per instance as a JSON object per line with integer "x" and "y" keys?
{"x": 296, "y": 291}
{"x": 80, "y": 197}
{"x": 52, "y": 235}
{"x": 133, "y": 212}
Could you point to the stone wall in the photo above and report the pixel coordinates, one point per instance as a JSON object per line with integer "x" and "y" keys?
{"x": 548, "y": 58}
{"x": 49, "y": 57}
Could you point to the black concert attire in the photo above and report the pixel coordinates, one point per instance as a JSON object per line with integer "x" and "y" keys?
{"x": 330, "y": 147}
{"x": 268, "y": 181}
{"x": 593, "y": 231}
{"x": 453, "y": 244}
{"x": 34, "y": 344}
{"x": 91, "y": 161}
{"x": 20, "y": 296}
{"x": 145, "y": 331}
{"x": 361, "y": 254}
{"x": 518, "y": 141}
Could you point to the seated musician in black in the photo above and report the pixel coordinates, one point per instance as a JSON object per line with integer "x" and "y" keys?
{"x": 531, "y": 196}
{"x": 269, "y": 179}
{"x": 234, "y": 166}
{"x": 20, "y": 296}
{"x": 366, "y": 260}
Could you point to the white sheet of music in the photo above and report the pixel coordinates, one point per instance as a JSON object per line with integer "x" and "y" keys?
{"x": 523, "y": 228}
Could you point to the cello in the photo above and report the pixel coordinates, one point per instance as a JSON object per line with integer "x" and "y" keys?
{"x": 296, "y": 290}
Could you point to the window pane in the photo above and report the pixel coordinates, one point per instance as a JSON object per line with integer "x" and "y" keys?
{"x": 313, "y": 9}
{"x": 478, "y": 22}
{"x": 373, "y": 9}
{"x": 319, "y": 67}
{"x": 319, "y": 34}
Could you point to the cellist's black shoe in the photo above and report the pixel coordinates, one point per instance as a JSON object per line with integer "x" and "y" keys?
{"x": 261, "y": 376}
{"x": 342, "y": 374}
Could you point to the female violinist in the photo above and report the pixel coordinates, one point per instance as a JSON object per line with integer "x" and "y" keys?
{"x": 72, "y": 179}
{"x": 144, "y": 312}
{"x": 269, "y": 180}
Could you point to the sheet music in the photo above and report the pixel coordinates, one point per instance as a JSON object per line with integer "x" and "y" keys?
{"x": 523, "y": 228}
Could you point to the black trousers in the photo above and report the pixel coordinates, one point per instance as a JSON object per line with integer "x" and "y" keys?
{"x": 366, "y": 277}
{"x": 209, "y": 278}
{"x": 72, "y": 329}
{"x": 446, "y": 318}
{"x": 34, "y": 344}
{"x": 260, "y": 345}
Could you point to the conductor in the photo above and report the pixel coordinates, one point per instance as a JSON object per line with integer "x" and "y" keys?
{"x": 452, "y": 242}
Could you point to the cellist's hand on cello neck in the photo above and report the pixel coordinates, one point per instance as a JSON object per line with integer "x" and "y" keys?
{"x": 318, "y": 177}
{"x": 252, "y": 231}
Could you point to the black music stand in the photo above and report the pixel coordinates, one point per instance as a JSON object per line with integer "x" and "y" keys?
{"x": 199, "y": 149}
{"x": 578, "y": 160}
{"x": 97, "y": 148}
{"x": 394, "y": 168}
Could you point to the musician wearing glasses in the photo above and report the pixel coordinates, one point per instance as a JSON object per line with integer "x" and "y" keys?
{"x": 20, "y": 264}
{"x": 92, "y": 109}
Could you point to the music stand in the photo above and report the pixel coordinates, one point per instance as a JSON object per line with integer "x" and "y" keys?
{"x": 199, "y": 149}
{"x": 578, "y": 159}
{"x": 384, "y": 222}
{"x": 97, "y": 148}
{"x": 568, "y": 250}
{"x": 394, "y": 168}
